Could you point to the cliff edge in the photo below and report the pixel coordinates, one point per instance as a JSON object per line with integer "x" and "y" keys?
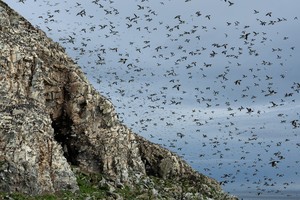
{"x": 54, "y": 124}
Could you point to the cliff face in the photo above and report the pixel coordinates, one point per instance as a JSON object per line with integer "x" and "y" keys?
{"x": 51, "y": 118}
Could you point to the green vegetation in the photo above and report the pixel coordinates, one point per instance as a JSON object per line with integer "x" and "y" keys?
{"x": 96, "y": 186}
{"x": 90, "y": 187}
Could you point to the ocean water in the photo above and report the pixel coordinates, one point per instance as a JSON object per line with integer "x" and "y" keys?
{"x": 285, "y": 195}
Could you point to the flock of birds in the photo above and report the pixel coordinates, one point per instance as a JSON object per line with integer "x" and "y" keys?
{"x": 221, "y": 92}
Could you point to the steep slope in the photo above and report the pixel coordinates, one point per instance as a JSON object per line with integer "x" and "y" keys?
{"x": 51, "y": 118}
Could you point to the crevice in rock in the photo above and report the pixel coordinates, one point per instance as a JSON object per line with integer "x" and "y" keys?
{"x": 149, "y": 169}
{"x": 151, "y": 165}
{"x": 63, "y": 135}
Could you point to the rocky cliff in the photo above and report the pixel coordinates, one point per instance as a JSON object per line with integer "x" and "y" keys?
{"x": 52, "y": 122}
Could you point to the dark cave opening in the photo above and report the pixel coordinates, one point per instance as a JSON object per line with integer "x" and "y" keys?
{"x": 63, "y": 135}
{"x": 150, "y": 171}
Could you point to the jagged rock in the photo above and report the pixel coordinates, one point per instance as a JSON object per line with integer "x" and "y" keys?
{"x": 52, "y": 118}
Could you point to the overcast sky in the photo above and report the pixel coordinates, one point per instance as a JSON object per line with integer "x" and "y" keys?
{"x": 216, "y": 82}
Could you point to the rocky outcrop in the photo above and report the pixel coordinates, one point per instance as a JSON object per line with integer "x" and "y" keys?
{"x": 51, "y": 119}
